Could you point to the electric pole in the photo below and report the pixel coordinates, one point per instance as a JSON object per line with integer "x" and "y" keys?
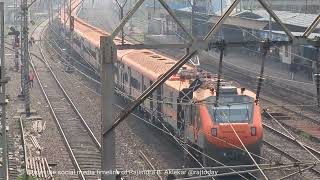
{"x": 71, "y": 26}
{"x": 3, "y": 81}
{"x": 16, "y": 41}
{"x": 192, "y": 16}
{"x": 21, "y": 51}
{"x": 25, "y": 56}
{"x": 49, "y": 11}
{"x": 66, "y": 49}
{"x": 121, "y": 7}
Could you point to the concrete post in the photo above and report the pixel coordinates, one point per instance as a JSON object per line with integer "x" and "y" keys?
{"x": 108, "y": 56}
{"x": 3, "y": 81}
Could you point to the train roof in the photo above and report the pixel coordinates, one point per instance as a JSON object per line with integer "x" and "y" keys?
{"x": 150, "y": 63}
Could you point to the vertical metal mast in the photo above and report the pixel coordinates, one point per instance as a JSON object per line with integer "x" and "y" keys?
{"x": 317, "y": 75}
{"x": 121, "y": 8}
{"x": 3, "y": 81}
{"x": 71, "y": 37}
{"x": 25, "y": 58}
{"x": 21, "y": 50}
{"x": 49, "y": 11}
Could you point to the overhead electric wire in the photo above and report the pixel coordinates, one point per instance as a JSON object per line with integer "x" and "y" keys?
{"x": 190, "y": 146}
{"x": 293, "y": 137}
{"x": 95, "y": 71}
{"x": 249, "y": 153}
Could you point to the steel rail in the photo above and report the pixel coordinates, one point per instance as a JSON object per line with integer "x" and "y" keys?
{"x": 70, "y": 101}
{"x": 144, "y": 157}
{"x": 290, "y": 138}
{"x": 68, "y": 146}
{"x": 246, "y": 171}
{"x": 300, "y": 171}
{"x": 25, "y": 156}
{"x": 288, "y": 155}
{"x": 74, "y": 160}
{"x": 295, "y": 139}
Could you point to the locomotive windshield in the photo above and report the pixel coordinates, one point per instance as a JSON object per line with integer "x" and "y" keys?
{"x": 231, "y": 109}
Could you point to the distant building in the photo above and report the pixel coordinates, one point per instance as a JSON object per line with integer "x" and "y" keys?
{"x": 301, "y": 6}
{"x": 242, "y": 25}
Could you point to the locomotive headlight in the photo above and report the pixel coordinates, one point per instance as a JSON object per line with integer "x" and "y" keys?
{"x": 214, "y": 131}
{"x": 253, "y": 131}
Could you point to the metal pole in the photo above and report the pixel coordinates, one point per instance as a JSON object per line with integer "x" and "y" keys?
{"x": 270, "y": 27}
{"x": 16, "y": 48}
{"x": 122, "y": 33}
{"x": 317, "y": 76}
{"x": 222, "y": 46}
{"x": 108, "y": 56}
{"x": 71, "y": 40}
{"x": 265, "y": 48}
{"x": 22, "y": 49}
{"x": 126, "y": 18}
{"x": 15, "y": 13}
{"x": 3, "y": 97}
{"x": 49, "y": 11}
{"x": 221, "y": 13}
{"x": 192, "y": 17}
{"x": 121, "y": 7}
{"x": 221, "y": 8}
{"x": 65, "y": 51}
{"x": 26, "y": 57}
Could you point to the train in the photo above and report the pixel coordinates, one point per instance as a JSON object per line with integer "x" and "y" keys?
{"x": 186, "y": 103}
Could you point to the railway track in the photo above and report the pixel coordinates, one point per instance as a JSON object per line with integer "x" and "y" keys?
{"x": 290, "y": 152}
{"x": 83, "y": 147}
{"x": 14, "y": 153}
{"x": 271, "y": 145}
{"x": 288, "y": 155}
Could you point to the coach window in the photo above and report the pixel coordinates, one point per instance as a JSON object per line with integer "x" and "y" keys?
{"x": 135, "y": 83}
{"x": 125, "y": 76}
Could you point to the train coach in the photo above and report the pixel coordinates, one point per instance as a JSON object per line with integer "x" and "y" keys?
{"x": 186, "y": 103}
